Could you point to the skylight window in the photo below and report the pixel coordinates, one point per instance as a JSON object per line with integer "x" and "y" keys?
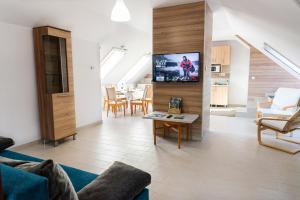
{"x": 111, "y": 60}
{"x": 281, "y": 58}
{"x": 140, "y": 64}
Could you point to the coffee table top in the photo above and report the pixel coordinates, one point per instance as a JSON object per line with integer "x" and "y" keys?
{"x": 179, "y": 118}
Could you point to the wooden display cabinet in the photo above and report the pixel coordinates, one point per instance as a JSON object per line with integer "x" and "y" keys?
{"x": 54, "y": 72}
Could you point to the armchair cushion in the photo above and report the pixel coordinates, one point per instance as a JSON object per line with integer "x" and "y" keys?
{"x": 267, "y": 112}
{"x": 286, "y": 97}
{"x": 275, "y": 124}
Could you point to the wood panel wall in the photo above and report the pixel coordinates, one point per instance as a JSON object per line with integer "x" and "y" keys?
{"x": 179, "y": 29}
{"x": 269, "y": 76}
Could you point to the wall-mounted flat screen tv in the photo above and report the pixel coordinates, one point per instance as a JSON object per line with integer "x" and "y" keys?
{"x": 179, "y": 67}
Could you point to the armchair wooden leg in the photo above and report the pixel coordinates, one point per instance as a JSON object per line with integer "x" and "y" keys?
{"x": 280, "y": 149}
{"x": 259, "y": 129}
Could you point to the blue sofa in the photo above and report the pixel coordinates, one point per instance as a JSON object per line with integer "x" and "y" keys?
{"x": 21, "y": 185}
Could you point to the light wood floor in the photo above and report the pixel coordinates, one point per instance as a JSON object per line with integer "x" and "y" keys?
{"x": 227, "y": 164}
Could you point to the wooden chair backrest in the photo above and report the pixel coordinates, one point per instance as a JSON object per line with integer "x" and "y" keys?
{"x": 147, "y": 92}
{"x": 111, "y": 94}
{"x": 294, "y": 122}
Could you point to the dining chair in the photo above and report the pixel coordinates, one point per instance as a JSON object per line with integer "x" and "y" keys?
{"x": 140, "y": 102}
{"x": 280, "y": 126}
{"x": 113, "y": 102}
{"x": 148, "y": 96}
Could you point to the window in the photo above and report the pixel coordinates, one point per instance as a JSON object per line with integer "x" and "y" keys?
{"x": 136, "y": 68}
{"x": 111, "y": 60}
{"x": 281, "y": 58}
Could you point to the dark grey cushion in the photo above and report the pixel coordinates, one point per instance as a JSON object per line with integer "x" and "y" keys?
{"x": 60, "y": 186}
{"x": 5, "y": 143}
{"x": 119, "y": 182}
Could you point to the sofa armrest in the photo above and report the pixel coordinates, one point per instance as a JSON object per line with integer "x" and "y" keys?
{"x": 21, "y": 185}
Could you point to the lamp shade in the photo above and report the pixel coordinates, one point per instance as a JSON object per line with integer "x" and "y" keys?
{"x": 120, "y": 12}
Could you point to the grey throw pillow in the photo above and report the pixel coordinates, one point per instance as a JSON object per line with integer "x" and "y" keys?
{"x": 60, "y": 186}
{"x": 119, "y": 182}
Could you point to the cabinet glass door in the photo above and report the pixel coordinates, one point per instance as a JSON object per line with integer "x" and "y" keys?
{"x": 55, "y": 54}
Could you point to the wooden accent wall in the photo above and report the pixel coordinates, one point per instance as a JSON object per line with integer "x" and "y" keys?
{"x": 269, "y": 76}
{"x": 179, "y": 29}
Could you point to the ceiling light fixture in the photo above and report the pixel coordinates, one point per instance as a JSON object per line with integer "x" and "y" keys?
{"x": 120, "y": 12}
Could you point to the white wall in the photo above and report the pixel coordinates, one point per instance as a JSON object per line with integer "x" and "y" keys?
{"x": 87, "y": 85}
{"x": 18, "y": 97}
{"x": 239, "y": 72}
{"x": 275, "y": 22}
{"x": 19, "y": 118}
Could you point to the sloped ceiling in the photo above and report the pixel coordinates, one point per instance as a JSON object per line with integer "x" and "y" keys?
{"x": 273, "y": 21}
{"x": 88, "y": 19}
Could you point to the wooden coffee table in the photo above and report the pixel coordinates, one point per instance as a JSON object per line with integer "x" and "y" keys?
{"x": 183, "y": 120}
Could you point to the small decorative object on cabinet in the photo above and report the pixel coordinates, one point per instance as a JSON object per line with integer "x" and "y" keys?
{"x": 54, "y": 73}
{"x": 175, "y": 105}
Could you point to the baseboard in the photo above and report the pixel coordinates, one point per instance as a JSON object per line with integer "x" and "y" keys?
{"x": 90, "y": 125}
{"x": 22, "y": 146}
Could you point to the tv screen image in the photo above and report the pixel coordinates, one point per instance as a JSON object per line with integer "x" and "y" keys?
{"x": 180, "y": 67}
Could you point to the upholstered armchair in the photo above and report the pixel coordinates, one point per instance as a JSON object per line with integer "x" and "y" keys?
{"x": 279, "y": 126}
{"x": 285, "y": 103}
